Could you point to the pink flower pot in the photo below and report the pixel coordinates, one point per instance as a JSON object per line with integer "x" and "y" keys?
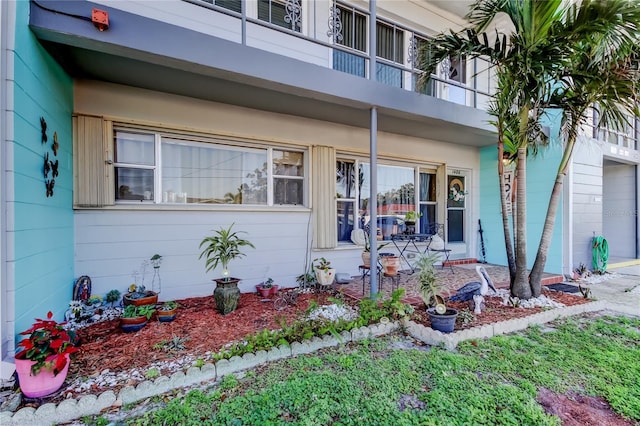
{"x": 274, "y": 290}
{"x": 263, "y": 291}
{"x": 42, "y": 384}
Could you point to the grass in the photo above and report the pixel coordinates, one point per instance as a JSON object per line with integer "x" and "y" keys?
{"x": 488, "y": 382}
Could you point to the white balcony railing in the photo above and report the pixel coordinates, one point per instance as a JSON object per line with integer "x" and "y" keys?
{"x": 334, "y": 34}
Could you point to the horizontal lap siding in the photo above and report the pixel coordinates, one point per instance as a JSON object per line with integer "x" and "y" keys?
{"x": 112, "y": 244}
{"x": 40, "y": 228}
{"x": 587, "y": 200}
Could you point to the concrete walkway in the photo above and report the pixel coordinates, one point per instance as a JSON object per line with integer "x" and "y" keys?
{"x": 621, "y": 292}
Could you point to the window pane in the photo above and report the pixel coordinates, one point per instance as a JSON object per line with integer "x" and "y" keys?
{"x": 457, "y": 191}
{"x": 389, "y": 42}
{"x": 345, "y": 179}
{"x": 275, "y": 12}
{"x": 288, "y": 191}
{"x": 234, "y": 5}
{"x": 396, "y": 195}
{"x": 428, "y": 219}
{"x": 427, "y": 187}
{"x": 456, "y": 225}
{"x": 458, "y": 69}
{"x": 134, "y": 148}
{"x": 201, "y": 173}
{"x": 346, "y": 217}
{"x": 288, "y": 163}
{"x": 134, "y": 184}
{"x": 354, "y": 29}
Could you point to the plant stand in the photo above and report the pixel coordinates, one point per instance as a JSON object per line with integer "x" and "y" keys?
{"x": 226, "y": 294}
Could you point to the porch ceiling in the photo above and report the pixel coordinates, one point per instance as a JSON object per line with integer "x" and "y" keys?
{"x": 136, "y": 52}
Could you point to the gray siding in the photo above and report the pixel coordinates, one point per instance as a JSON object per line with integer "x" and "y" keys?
{"x": 619, "y": 210}
{"x": 587, "y": 200}
{"x": 111, "y": 244}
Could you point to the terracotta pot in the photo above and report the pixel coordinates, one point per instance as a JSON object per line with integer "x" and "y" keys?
{"x": 129, "y": 325}
{"x": 391, "y": 264}
{"x": 42, "y": 384}
{"x": 150, "y": 299}
{"x": 366, "y": 258}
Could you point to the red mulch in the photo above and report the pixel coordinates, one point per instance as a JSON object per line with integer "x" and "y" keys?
{"x": 105, "y": 346}
{"x": 494, "y": 311}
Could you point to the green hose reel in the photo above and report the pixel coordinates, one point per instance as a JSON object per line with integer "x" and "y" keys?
{"x": 600, "y": 254}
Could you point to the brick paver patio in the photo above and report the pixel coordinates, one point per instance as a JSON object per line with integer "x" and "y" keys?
{"x": 454, "y": 277}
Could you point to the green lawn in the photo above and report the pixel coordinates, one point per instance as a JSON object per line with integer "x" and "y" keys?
{"x": 487, "y": 382}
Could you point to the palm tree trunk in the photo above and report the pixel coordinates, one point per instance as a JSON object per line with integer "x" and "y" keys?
{"x": 521, "y": 288}
{"x": 505, "y": 216}
{"x": 545, "y": 239}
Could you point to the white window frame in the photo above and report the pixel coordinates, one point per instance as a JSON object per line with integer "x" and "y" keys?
{"x": 417, "y": 169}
{"x": 218, "y": 142}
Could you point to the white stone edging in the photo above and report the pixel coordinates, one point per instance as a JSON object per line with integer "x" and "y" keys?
{"x": 451, "y": 340}
{"x": 88, "y": 405}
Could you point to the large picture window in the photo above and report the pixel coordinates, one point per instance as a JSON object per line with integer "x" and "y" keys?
{"x": 154, "y": 168}
{"x": 396, "y": 196}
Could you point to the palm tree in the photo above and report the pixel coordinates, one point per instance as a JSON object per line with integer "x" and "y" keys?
{"x": 609, "y": 83}
{"x": 532, "y": 62}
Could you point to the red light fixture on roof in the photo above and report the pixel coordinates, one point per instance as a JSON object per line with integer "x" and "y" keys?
{"x": 100, "y": 19}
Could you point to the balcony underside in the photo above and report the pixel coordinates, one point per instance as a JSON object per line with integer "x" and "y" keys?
{"x": 141, "y": 52}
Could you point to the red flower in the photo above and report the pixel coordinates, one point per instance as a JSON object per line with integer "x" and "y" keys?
{"x": 48, "y": 345}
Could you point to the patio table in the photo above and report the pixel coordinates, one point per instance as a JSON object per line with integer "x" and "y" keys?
{"x": 407, "y": 243}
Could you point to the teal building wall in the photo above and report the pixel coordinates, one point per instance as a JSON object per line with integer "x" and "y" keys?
{"x": 42, "y": 234}
{"x": 541, "y": 174}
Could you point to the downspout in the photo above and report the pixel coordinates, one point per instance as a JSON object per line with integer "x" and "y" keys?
{"x": 243, "y": 10}
{"x": 373, "y": 158}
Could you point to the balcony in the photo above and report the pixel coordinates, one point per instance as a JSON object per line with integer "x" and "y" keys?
{"x": 206, "y": 51}
{"x": 336, "y": 36}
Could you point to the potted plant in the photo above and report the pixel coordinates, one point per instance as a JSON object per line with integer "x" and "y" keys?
{"x": 112, "y": 296}
{"x": 167, "y": 311}
{"x": 442, "y": 318}
{"x": 410, "y": 219}
{"x": 135, "y": 317}
{"x": 306, "y": 280}
{"x": 390, "y": 262}
{"x": 139, "y": 296}
{"x": 43, "y": 362}
{"x": 324, "y": 272}
{"x": 219, "y": 249}
{"x": 366, "y": 252}
{"x": 267, "y": 288}
{"x": 94, "y": 301}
